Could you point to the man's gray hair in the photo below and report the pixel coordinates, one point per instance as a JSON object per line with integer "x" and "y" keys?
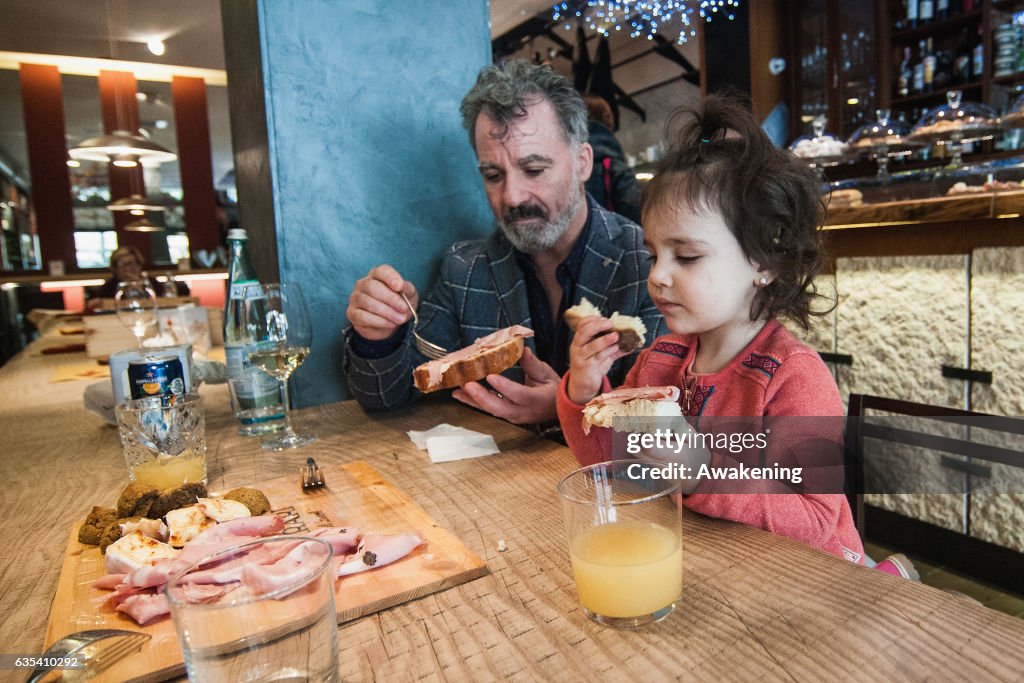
{"x": 503, "y": 91}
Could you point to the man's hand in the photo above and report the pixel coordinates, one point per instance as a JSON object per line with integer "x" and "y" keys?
{"x": 530, "y": 403}
{"x": 376, "y": 308}
{"x": 593, "y": 351}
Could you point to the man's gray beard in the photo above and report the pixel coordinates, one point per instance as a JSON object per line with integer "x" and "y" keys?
{"x": 532, "y": 240}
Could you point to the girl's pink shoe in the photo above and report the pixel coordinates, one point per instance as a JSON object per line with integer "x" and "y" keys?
{"x": 898, "y": 565}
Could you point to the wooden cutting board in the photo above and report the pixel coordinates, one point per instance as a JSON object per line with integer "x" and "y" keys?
{"x": 355, "y": 495}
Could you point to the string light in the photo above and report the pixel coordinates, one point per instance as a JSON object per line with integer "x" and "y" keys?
{"x": 643, "y": 18}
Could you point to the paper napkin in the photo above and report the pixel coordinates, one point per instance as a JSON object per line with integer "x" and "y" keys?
{"x": 446, "y": 442}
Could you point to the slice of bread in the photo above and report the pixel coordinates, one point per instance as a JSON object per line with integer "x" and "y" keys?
{"x": 488, "y": 355}
{"x": 631, "y": 329}
{"x": 631, "y": 410}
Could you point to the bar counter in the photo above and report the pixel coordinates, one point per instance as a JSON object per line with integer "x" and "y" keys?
{"x": 754, "y": 605}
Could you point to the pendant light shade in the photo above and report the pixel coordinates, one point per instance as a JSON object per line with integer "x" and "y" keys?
{"x": 121, "y": 144}
{"x": 143, "y": 225}
{"x": 135, "y": 202}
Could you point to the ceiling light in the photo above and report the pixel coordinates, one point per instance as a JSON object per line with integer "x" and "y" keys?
{"x": 73, "y": 163}
{"x": 156, "y": 46}
{"x": 143, "y": 225}
{"x": 643, "y": 18}
{"x": 161, "y": 124}
{"x": 124, "y": 160}
{"x": 137, "y": 212}
{"x": 120, "y": 142}
{"x": 135, "y": 202}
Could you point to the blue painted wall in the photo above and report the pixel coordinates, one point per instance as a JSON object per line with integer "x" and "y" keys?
{"x": 368, "y": 157}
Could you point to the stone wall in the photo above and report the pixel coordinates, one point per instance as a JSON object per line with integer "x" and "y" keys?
{"x": 902, "y": 319}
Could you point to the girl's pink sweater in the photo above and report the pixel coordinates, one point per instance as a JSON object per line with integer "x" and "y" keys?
{"x": 775, "y": 375}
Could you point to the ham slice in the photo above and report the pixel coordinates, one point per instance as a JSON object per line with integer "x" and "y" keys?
{"x": 488, "y": 355}
{"x": 145, "y": 607}
{"x": 261, "y": 578}
{"x": 227, "y": 534}
{"x": 642, "y": 393}
{"x": 377, "y": 550}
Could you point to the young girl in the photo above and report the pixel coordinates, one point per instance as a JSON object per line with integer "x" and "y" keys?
{"x": 731, "y": 224}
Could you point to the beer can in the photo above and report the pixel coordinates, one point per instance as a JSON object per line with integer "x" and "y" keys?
{"x": 157, "y": 375}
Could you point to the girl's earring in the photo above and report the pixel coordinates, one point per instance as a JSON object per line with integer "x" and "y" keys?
{"x": 763, "y": 281}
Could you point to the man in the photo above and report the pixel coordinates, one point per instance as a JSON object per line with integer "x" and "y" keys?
{"x": 553, "y": 246}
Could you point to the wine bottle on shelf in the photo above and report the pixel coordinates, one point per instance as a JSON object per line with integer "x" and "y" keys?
{"x": 962, "y": 59}
{"x": 926, "y": 11}
{"x": 912, "y": 13}
{"x": 906, "y": 75}
{"x": 978, "y": 58}
{"x": 917, "y": 82}
{"x": 943, "y": 69}
{"x": 929, "y": 60}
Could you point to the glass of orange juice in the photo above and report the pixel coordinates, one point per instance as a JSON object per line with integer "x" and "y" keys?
{"x": 164, "y": 442}
{"x": 624, "y": 529}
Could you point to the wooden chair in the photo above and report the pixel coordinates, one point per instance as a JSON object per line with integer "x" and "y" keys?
{"x": 958, "y": 550}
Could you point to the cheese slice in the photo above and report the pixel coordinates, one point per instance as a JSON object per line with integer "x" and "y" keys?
{"x": 187, "y": 523}
{"x": 222, "y": 510}
{"x": 133, "y": 551}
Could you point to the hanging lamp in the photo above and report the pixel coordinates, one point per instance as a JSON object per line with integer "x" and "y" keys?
{"x": 120, "y": 144}
{"x": 143, "y": 225}
{"x": 135, "y": 202}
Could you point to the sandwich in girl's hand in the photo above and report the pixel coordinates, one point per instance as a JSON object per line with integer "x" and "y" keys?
{"x": 488, "y": 355}
{"x": 631, "y": 409}
{"x": 631, "y": 330}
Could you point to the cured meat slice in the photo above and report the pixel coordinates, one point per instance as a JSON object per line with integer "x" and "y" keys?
{"x": 377, "y": 550}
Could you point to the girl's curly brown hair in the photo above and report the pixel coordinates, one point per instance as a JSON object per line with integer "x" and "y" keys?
{"x": 722, "y": 161}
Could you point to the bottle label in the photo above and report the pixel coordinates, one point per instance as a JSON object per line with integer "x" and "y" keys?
{"x": 252, "y": 386}
{"x": 238, "y": 289}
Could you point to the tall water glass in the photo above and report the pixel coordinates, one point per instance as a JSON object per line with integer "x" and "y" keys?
{"x": 269, "y": 625}
{"x": 624, "y": 529}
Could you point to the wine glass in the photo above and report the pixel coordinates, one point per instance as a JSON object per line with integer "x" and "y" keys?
{"x": 278, "y": 333}
{"x": 136, "y": 308}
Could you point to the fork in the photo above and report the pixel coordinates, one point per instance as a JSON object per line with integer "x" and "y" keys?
{"x": 312, "y": 476}
{"x": 109, "y": 646}
{"x": 428, "y": 349}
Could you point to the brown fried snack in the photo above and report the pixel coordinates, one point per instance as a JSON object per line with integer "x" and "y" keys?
{"x": 135, "y": 495}
{"x": 180, "y": 497}
{"x": 254, "y": 499}
{"x": 95, "y": 524}
{"x": 112, "y": 532}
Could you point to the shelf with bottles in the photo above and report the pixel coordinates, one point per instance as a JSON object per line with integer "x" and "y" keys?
{"x": 937, "y": 96}
{"x": 940, "y": 27}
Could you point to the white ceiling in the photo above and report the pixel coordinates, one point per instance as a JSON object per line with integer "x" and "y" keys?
{"x": 119, "y": 29}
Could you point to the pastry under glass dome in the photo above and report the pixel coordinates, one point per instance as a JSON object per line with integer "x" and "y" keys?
{"x": 955, "y": 123}
{"x": 820, "y": 148}
{"x": 882, "y": 140}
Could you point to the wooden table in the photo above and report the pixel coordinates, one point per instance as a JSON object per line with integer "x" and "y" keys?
{"x": 754, "y": 605}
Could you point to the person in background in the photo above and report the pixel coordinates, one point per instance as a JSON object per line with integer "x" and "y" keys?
{"x": 731, "y": 225}
{"x": 125, "y": 265}
{"x": 612, "y": 183}
{"x": 552, "y": 246}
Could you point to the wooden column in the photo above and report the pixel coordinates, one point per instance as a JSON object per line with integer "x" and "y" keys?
{"x": 121, "y": 112}
{"x": 195, "y": 162}
{"x": 47, "y": 157}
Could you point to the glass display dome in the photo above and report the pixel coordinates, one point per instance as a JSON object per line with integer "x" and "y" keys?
{"x": 882, "y": 140}
{"x": 957, "y": 122}
{"x": 819, "y": 148}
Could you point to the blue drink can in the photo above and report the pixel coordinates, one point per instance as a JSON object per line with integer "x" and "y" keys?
{"x": 157, "y": 376}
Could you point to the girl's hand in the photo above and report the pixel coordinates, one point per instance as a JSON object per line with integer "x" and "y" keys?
{"x": 594, "y": 349}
